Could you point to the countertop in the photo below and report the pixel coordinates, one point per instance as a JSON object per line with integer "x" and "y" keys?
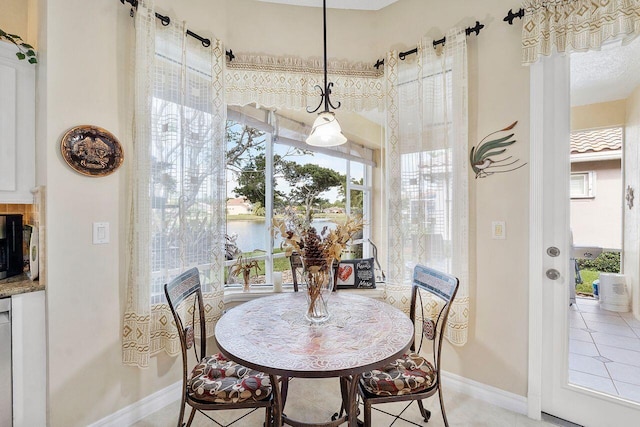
{"x": 19, "y": 285}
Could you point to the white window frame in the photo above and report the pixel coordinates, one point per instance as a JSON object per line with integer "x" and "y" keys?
{"x": 589, "y": 183}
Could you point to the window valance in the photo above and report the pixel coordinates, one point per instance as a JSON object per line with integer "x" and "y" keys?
{"x": 287, "y": 82}
{"x": 576, "y": 25}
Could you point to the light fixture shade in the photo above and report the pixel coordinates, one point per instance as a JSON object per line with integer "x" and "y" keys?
{"x": 326, "y": 131}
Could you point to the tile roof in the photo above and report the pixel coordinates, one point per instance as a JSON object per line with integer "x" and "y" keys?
{"x": 592, "y": 141}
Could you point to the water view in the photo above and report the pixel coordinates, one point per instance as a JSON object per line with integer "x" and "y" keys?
{"x": 254, "y": 235}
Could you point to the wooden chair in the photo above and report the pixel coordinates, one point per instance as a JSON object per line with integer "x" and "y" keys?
{"x": 215, "y": 383}
{"x": 414, "y": 377}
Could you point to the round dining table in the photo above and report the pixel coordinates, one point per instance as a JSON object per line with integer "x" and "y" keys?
{"x": 271, "y": 334}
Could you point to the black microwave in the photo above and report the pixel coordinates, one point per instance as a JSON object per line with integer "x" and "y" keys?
{"x": 11, "y": 263}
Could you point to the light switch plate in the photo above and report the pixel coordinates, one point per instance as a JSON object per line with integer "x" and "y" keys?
{"x": 498, "y": 230}
{"x": 100, "y": 233}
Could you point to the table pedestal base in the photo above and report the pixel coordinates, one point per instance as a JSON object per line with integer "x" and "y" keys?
{"x": 348, "y": 389}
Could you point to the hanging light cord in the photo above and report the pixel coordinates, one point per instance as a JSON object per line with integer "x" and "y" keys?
{"x": 326, "y": 91}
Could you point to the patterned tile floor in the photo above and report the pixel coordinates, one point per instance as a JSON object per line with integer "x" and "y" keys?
{"x": 604, "y": 350}
{"x": 315, "y": 400}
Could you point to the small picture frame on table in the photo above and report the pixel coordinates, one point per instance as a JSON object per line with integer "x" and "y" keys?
{"x": 356, "y": 274}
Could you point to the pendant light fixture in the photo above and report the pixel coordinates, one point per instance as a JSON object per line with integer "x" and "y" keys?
{"x": 326, "y": 131}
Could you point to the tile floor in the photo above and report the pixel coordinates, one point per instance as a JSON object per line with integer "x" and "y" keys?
{"x": 604, "y": 350}
{"x": 315, "y": 400}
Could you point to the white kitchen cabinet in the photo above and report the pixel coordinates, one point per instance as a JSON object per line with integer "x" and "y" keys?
{"x": 29, "y": 341}
{"x": 17, "y": 126}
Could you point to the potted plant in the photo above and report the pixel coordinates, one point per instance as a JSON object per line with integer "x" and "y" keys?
{"x": 25, "y": 50}
{"x": 243, "y": 267}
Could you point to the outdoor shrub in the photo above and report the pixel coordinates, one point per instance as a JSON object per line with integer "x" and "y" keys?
{"x": 606, "y": 262}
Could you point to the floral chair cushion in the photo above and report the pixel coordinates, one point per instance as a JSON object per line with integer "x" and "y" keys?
{"x": 410, "y": 374}
{"x": 219, "y": 380}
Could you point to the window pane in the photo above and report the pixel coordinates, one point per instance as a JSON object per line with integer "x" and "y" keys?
{"x": 247, "y": 226}
{"x": 353, "y": 252}
{"x": 311, "y": 183}
{"x": 581, "y": 184}
{"x": 357, "y": 171}
{"x": 427, "y": 187}
{"x": 577, "y": 185}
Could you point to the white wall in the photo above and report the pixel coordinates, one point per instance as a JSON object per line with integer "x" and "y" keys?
{"x": 631, "y": 253}
{"x": 84, "y": 76}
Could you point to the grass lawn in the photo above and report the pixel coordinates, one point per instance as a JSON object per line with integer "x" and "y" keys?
{"x": 588, "y": 276}
{"x": 279, "y": 264}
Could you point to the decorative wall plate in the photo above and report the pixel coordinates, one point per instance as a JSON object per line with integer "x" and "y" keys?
{"x": 91, "y": 150}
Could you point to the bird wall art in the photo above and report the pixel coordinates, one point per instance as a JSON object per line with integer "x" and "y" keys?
{"x": 486, "y": 157}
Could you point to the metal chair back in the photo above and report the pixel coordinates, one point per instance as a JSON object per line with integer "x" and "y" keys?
{"x": 435, "y": 290}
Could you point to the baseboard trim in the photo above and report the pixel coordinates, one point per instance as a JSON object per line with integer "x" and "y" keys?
{"x": 158, "y": 400}
{"x": 142, "y": 408}
{"x": 486, "y": 393}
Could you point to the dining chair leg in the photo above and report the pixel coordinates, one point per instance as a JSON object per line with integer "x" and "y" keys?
{"x": 367, "y": 413}
{"x": 426, "y": 414}
{"x": 193, "y": 412}
{"x": 268, "y": 417}
{"x": 444, "y": 414}
{"x": 181, "y": 416}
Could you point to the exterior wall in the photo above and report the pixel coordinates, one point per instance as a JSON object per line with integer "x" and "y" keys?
{"x": 84, "y": 78}
{"x": 598, "y": 221}
{"x": 238, "y": 210}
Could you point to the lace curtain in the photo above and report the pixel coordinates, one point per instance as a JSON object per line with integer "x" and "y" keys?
{"x": 576, "y": 25}
{"x": 286, "y": 82}
{"x": 427, "y": 172}
{"x": 178, "y": 190}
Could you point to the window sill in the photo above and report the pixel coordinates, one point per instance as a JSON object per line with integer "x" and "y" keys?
{"x": 235, "y": 296}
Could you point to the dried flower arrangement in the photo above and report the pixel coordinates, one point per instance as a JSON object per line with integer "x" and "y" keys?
{"x": 244, "y": 266}
{"x": 299, "y": 236}
{"x": 317, "y": 250}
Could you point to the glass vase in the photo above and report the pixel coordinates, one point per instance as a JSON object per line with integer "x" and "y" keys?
{"x": 246, "y": 284}
{"x": 317, "y": 278}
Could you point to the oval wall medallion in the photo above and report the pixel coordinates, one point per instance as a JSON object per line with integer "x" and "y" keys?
{"x": 91, "y": 150}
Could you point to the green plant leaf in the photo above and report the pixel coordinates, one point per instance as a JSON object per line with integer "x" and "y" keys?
{"x": 33, "y": 61}
{"x": 14, "y": 36}
{"x": 20, "y": 55}
{"x": 26, "y": 45}
{"x": 30, "y": 53}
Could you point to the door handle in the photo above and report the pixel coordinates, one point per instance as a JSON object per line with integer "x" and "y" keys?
{"x": 553, "y": 274}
